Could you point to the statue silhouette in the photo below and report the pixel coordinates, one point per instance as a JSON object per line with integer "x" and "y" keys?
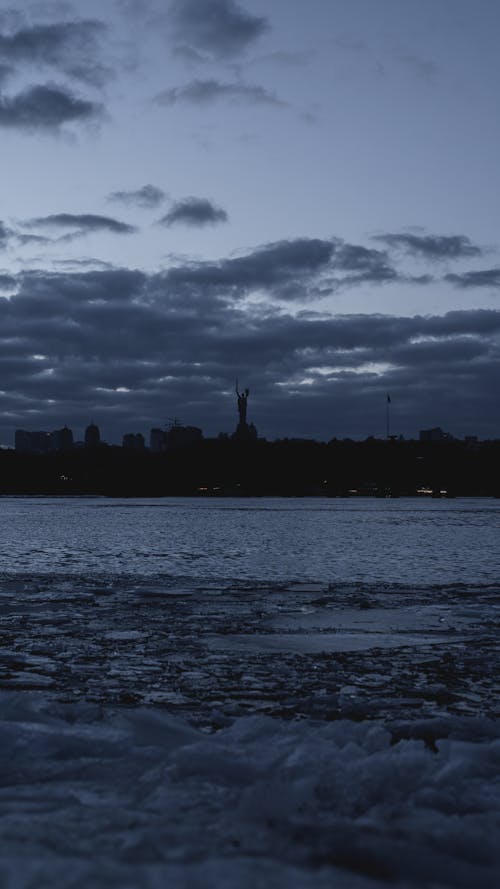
{"x": 242, "y": 404}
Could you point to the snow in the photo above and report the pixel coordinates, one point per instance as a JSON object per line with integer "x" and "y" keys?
{"x": 139, "y": 797}
{"x": 247, "y": 734}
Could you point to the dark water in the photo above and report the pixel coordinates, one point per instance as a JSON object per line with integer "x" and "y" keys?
{"x": 129, "y": 600}
{"x": 423, "y": 542}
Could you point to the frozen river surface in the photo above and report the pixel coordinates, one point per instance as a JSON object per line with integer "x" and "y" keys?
{"x": 249, "y": 693}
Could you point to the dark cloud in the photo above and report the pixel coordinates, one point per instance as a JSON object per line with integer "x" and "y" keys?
{"x": 5, "y": 234}
{"x": 301, "y": 269}
{"x": 363, "y": 265}
{"x": 70, "y": 47}
{"x": 147, "y": 197}
{"x": 481, "y": 278}
{"x": 83, "y": 223}
{"x": 219, "y": 27}
{"x": 357, "y": 258}
{"x": 121, "y": 345}
{"x": 196, "y": 212}
{"x": 45, "y": 108}
{"x": 7, "y": 282}
{"x": 432, "y": 246}
{"x": 285, "y": 269}
{"x": 25, "y": 240}
{"x": 205, "y": 92}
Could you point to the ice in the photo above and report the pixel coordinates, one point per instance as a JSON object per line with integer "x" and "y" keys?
{"x": 247, "y": 734}
{"x": 137, "y": 797}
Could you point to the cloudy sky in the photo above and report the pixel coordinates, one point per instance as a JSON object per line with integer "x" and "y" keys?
{"x": 300, "y": 195}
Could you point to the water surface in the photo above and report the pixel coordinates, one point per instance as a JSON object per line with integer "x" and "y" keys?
{"x": 357, "y": 540}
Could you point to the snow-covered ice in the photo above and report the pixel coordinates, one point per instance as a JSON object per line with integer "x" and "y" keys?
{"x": 153, "y": 738}
{"x": 139, "y": 797}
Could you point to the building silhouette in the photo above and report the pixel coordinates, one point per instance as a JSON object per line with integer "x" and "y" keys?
{"x": 435, "y": 434}
{"x": 134, "y": 441}
{"x": 32, "y": 442}
{"x": 157, "y": 441}
{"x": 39, "y": 442}
{"x": 92, "y": 436}
{"x": 181, "y": 436}
{"x": 63, "y": 439}
{"x": 177, "y": 436}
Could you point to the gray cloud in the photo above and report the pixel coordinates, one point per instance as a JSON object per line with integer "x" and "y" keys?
{"x": 127, "y": 347}
{"x": 219, "y": 27}
{"x": 286, "y": 269}
{"x": 85, "y": 263}
{"x": 70, "y": 47}
{"x": 5, "y": 234}
{"x": 300, "y": 269}
{"x": 7, "y": 282}
{"x": 25, "y": 240}
{"x": 205, "y": 92}
{"x": 355, "y": 257}
{"x": 146, "y": 197}
{"x": 45, "y": 108}
{"x": 195, "y": 212}
{"x": 83, "y": 223}
{"x": 363, "y": 265}
{"x": 432, "y": 246}
{"x": 481, "y": 278}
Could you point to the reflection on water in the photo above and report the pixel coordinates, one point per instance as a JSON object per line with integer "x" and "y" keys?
{"x": 361, "y": 540}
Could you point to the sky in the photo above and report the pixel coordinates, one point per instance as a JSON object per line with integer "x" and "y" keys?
{"x": 300, "y": 196}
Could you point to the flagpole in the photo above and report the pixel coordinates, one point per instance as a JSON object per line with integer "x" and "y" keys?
{"x": 387, "y": 425}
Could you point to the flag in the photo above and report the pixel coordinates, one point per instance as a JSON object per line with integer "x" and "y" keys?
{"x": 388, "y": 398}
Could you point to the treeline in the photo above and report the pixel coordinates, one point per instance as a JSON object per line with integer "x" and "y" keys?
{"x": 216, "y": 467}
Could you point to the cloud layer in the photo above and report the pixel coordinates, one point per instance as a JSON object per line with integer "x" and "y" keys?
{"x": 129, "y": 348}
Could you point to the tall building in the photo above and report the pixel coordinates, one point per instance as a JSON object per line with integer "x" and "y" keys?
{"x": 92, "y": 436}
{"x": 62, "y": 439}
{"x": 157, "y": 441}
{"x": 133, "y": 441}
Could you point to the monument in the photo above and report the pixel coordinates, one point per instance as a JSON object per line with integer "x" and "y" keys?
{"x": 244, "y": 431}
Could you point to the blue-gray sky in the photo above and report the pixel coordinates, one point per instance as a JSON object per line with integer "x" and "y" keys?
{"x": 301, "y": 195}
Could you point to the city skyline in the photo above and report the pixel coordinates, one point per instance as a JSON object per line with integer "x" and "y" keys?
{"x": 156, "y": 438}
{"x": 208, "y": 189}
